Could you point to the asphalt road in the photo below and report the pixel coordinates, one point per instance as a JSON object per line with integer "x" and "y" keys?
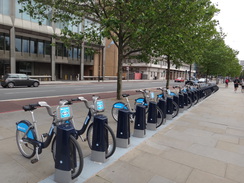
{"x": 12, "y": 99}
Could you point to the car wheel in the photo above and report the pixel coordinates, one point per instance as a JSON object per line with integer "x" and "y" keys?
{"x": 35, "y": 84}
{"x": 10, "y": 85}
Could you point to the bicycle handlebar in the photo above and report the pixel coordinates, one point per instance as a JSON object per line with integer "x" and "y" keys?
{"x": 32, "y": 107}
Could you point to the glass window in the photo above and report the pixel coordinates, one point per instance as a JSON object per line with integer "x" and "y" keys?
{"x": 75, "y": 53}
{"x": 65, "y": 52}
{"x": 79, "y": 53}
{"x": 25, "y": 45}
{"x": 40, "y": 48}
{"x": 6, "y": 7}
{"x": 59, "y": 49}
{"x": 17, "y": 8}
{"x": 1, "y": 41}
{"x": 70, "y": 52}
{"x": 48, "y": 48}
{"x": 18, "y": 44}
{"x": 7, "y": 42}
{"x": 33, "y": 46}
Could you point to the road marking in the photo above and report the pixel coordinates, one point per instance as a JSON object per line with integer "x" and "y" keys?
{"x": 11, "y": 93}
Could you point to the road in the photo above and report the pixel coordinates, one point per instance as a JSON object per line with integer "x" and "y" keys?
{"x": 12, "y": 99}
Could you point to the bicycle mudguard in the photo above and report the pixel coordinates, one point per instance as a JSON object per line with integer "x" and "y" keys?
{"x": 140, "y": 100}
{"x": 160, "y": 96}
{"x": 23, "y": 126}
{"x": 172, "y": 94}
{"x": 120, "y": 105}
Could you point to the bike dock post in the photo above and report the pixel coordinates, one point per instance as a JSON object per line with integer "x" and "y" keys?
{"x": 98, "y": 139}
{"x": 181, "y": 102}
{"x": 140, "y": 122}
{"x": 162, "y": 105}
{"x": 62, "y": 157}
{"x": 123, "y": 129}
{"x": 169, "y": 112}
{"x": 152, "y": 116}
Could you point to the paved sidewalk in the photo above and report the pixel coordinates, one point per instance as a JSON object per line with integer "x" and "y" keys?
{"x": 202, "y": 145}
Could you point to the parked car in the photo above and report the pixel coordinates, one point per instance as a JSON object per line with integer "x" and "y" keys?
{"x": 203, "y": 80}
{"x": 12, "y": 80}
{"x": 191, "y": 82}
{"x": 179, "y": 79}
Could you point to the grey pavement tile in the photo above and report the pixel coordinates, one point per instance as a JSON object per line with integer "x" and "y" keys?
{"x": 218, "y": 154}
{"x": 227, "y": 146}
{"x": 121, "y": 172}
{"x": 198, "y": 176}
{"x": 196, "y": 161}
{"x": 235, "y": 173}
{"x": 227, "y": 138}
{"x": 163, "y": 167}
{"x": 159, "y": 179}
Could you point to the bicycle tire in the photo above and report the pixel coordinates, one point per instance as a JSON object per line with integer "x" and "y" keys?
{"x": 115, "y": 110}
{"x": 25, "y": 146}
{"x": 189, "y": 102}
{"x": 175, "y": 109}
{"x": 109, "y": 134}
{"x": 160, "y": 117}
{"x": 76, "y": 167}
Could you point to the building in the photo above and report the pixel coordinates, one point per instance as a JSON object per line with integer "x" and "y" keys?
{"x": 27, "y": 47}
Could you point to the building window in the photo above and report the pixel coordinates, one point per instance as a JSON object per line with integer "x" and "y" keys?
{"x": 33, "y": 46}
{"x": 48, "y": 48}
{"x": 4, "y": 41}
{"x": 18, "y": 44}
{"x": 4, "y": 7}
{"x": 25, "y": 45}
{"x": 40, "y": 48}
{"x": 70, "y": 52}
{"x": 1, "y": 41}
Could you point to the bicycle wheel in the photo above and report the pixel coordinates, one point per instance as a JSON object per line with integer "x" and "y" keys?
{"x": 189, "y": 102}
{"x": 175, "y": 109}
{"x": 115, "y": 109}
{"x": 76, "y": 156}
{"x": 160, "y": 117}
{"x": 27, "y": 149}
{"x": 109, "y": 136}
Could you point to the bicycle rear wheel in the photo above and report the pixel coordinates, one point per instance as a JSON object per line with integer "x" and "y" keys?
{"x": 27, "y": 149}
{"x": 76, "y": 156}
{"x": 109, "y": 136}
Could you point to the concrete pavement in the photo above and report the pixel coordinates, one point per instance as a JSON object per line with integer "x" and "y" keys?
{"x": 202, "y": 145}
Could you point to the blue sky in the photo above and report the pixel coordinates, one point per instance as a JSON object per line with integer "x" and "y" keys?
{"x": 231, "y": 20}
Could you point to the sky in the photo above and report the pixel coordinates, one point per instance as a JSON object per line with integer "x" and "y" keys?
{"x": 231, "y": 20}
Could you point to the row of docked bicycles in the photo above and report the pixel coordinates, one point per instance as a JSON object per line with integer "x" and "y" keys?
{"x": 30, "y": 143}
{"x": 181, "y": 98}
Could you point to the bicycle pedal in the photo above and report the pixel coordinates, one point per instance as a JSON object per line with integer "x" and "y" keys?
{"x": 34, "y": 160}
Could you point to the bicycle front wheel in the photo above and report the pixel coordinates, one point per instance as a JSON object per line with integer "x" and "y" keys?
{"x": 160, "y": 117}
{"x": 175, "y": 109}
{"x": 115, "y": 109}
{"x": 109, "y": 136}
{"x": 76, "y": 156}
{"x": 27, "y": 149}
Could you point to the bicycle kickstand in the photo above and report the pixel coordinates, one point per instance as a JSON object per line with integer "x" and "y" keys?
{"x": 37, "y": 156}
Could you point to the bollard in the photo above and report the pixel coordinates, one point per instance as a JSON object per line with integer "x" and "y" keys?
{"x": 162, "y": 105}
{"x": 169, "y": 112}
{"x": 123, "y": 129}
{"x": 140, "y": 122}
{"x": 152, "y": 116}
{"x": 98, "y": 139}
{"x": 62, "y": 157}
{"x": 181, "y": 102}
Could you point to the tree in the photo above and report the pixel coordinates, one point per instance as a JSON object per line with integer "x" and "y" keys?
{"x": 219, "y": 59}
{"x": 183, "y": 27}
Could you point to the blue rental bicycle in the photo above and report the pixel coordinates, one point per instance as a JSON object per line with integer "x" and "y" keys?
{"x": 31, "y": 144}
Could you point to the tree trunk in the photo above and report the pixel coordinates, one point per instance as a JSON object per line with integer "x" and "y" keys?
{"x": 168, "y": 72}
{"x": 119, "y": 78}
